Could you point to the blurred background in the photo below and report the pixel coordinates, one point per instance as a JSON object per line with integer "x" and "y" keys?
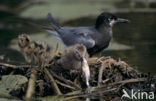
{"x": 134, "y": 43}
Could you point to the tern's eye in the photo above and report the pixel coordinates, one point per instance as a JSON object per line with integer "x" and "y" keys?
{"x": 112, "y": 18}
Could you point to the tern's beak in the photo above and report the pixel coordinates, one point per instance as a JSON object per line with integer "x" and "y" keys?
{"x": 122, "y": 20}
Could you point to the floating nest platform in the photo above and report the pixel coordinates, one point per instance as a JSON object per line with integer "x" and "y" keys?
{"x": 108, "y": 78}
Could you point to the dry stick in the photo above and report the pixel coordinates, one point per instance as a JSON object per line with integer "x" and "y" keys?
{"x": 66, "y": 81}
{"x": 62, "y": 84}
{"x": 56, "y": 49}
{"x": 94, "y": 93}
{"x": 97, "y": 90}
{"x": 128, "y": 81}
{"x": 106, "y": 80}
{"x": 122, "y": 82}
{"x": 8, "y": 65}
{"x": 15, "y": 67}
{"x": 105, "y": 86}
{"x": 78, "y": 94}
{"x": 100, "y": 74}
{"x": 31, "y": 85}
{"x": 53, "y": 83}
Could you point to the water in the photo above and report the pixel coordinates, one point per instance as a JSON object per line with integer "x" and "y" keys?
{"x": 141, "y": 34}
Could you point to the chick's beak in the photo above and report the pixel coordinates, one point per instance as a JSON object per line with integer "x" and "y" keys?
{"x": 122, "y": 20}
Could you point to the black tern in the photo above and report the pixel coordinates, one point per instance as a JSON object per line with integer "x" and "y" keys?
{"x": 95, "y": 38}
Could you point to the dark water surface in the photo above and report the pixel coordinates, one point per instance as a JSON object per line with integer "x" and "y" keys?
{"x": 140, "y": 34}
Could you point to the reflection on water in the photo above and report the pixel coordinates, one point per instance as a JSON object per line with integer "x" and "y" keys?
{"x": 140, "y": 34}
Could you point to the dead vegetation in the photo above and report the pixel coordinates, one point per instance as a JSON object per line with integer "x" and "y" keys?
{"x": 108, "y": 78}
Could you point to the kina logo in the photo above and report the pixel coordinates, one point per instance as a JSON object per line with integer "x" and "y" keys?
{"x": 137, "y": 94}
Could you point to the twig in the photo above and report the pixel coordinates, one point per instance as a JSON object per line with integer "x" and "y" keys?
{"x": 129, "y": 81}
{"x": 100, "y": 74}
{"x": 15, "y": 67}
{"x": 78, "y": 94}
{"x": 31, "y": 85}
{"x": 56, "y": 49}
{"x": 94, "y": 91}
{"x": 65, "y": 80}
{"x": 8, "y": 65}
{"x": 123, "y": 82}
{"x": 106, "y": 80}
{"x": 103, "y": 87}
{"x": 62, "y": 84}
{"x": 53, "y": 83}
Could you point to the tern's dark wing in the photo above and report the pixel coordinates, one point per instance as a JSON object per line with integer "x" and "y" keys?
{"x": 85, "y": 40}
{"x": 74, "y": 35}
{"x": 83, "y": 35}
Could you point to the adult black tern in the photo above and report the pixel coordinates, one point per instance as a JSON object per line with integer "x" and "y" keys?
{"x": 95, "y": 38}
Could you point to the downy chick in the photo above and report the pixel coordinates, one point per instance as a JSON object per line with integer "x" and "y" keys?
{"x": 26, "y": 45}
{"x": 75, "y": 58}
{"x": 35, "y": 52}
{"x": 71, "y": 59}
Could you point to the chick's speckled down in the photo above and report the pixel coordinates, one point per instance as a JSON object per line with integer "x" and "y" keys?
{"x": 35, "y": 52}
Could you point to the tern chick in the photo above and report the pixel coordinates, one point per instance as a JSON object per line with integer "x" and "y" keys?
{"x": 75, "y": 58}
{"x": 71, "y": 59}
{"x": 35, "y": 52}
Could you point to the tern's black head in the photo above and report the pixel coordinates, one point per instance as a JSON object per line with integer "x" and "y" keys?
{"x": 108, "y": 19}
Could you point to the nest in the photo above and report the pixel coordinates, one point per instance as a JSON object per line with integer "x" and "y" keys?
{"x": 108, "y": 78}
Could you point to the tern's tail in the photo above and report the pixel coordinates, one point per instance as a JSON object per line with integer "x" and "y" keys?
{"x": 53, "y": 22}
